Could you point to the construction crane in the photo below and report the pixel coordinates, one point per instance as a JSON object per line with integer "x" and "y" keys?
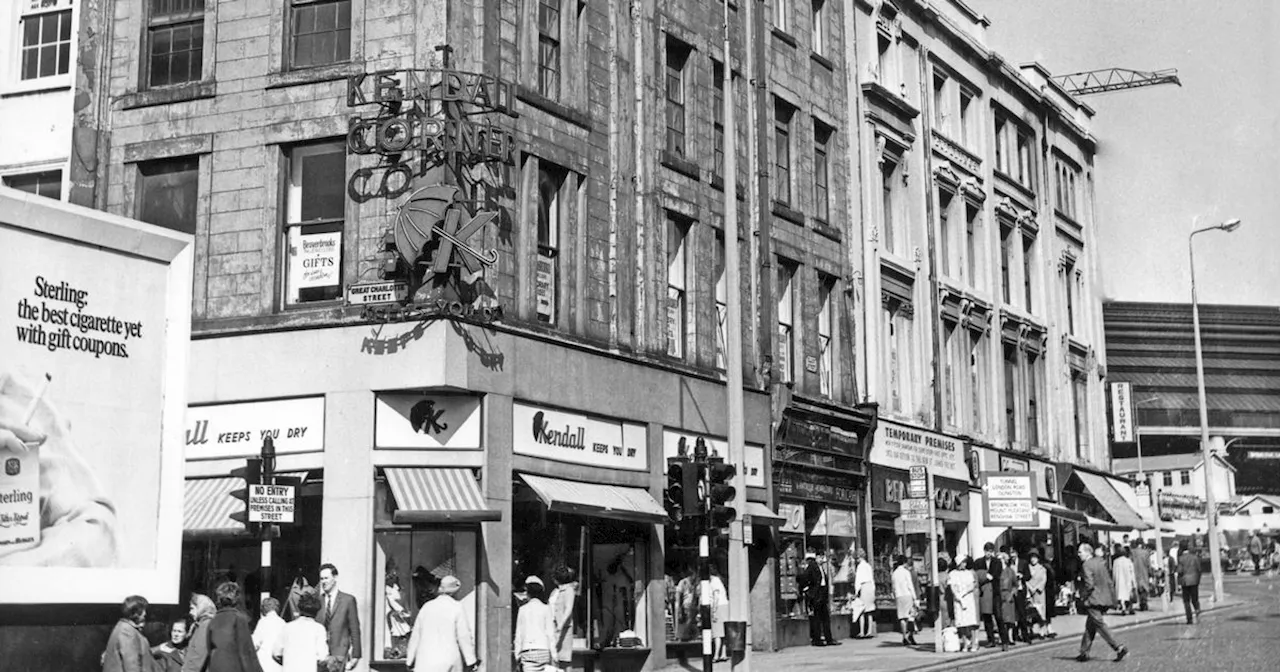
{"x": 1114, "y": 79}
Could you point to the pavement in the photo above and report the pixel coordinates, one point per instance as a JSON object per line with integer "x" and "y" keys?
{"x": 1145, "y": 633}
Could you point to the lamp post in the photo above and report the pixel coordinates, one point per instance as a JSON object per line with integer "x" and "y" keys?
{"x": 1215, "y": 562}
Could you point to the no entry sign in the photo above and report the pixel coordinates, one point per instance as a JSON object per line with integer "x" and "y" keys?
{"x": 271, "y": 503}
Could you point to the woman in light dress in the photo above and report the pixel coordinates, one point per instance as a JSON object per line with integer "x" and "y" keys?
{"x": 904, "y": 595}
{"x": 1126, "y": 580}
{"x": 964, "y": 595}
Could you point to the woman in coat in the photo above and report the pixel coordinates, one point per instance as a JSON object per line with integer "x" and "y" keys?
{"x": 128, "y": 649}
{"x": 1126, "y": 580}
{"x": 562, "y": 602}
{"x": 1006, "y": 610}
{"x": 202, "y": 611}
{"x": 963, "y": 586}
{"x": 904, "y": 594}
{"x": 230, "y": 640}
{"x": 1037, "y": 593}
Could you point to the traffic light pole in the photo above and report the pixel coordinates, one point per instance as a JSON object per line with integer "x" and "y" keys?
{"x": 268, "y": 478}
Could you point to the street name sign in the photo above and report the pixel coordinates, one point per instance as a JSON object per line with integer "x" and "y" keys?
{"x": 373, "y": 293}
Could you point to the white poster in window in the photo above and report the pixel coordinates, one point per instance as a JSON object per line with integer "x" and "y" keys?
{"x": 545, "y": 285}
{"x": 314, "y": 259}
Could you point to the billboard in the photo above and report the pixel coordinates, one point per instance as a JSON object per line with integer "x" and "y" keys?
{"x": 94, "y": 329}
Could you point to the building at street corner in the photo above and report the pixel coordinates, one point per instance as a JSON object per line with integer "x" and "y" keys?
{"x": 980, "y": 296}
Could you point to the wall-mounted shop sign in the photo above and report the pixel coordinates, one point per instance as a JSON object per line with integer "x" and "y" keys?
{"x": 902, "y": 447}
{"x": 1122, "y": 429}
{"x": 716, "y": 447}
{"x": 816, "y": 486}
{"x": 580, "y": 439}
{"x": 792, "y": 517}
{"x": 427, "y": 421}
{"x": 237, "y": 430}
{"x": 1180, "y": 507}
{"x": 1046, "y": 477}
{"x": 890, "y": 488}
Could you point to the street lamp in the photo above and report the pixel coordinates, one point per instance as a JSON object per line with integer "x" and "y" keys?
{"x": 1215, "y": 562}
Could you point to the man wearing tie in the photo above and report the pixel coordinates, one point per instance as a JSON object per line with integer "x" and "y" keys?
{"x": 816, "y": 584}
{"x": 338, "y": 615}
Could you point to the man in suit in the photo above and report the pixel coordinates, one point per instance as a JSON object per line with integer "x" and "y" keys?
{"x": 987, "y": 571}
{"x": 1097, "y": 593}
{"x": 1141, "y": 572}
{"x": 1189, "y": 579}
{"x": 816, "y": 585}
{"x": 338, "y": 615}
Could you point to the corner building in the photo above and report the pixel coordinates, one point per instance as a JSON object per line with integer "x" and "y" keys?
{"x": 432, "y": 445}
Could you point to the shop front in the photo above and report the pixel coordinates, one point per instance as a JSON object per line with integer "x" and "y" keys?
{"x": 819, "y": 474}
{"x": 1056, "y": 522}
{"x": 1096, "y": 495}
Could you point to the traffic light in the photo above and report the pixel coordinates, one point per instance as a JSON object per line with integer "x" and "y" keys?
{"x": 720, "y": 493}
{"x": 674, "y": 495}
{"x": 251, "y": 472}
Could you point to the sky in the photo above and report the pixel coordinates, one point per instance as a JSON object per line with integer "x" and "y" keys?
{"x": 1168, "y": 157}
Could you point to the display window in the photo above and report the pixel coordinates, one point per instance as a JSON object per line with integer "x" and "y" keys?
{"x": 409, "y": 563}
{"x": 829, "y": 533}
{"x": 610, "y": 557}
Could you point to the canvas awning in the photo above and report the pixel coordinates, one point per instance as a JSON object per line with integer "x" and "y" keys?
{"x": 207, "y": 506}
{"x": 597, "y": 499}
{"x": 428, "y": 495}
{"x": 763, "y": 515}
{"x": 1062, "y": 512}
{"x": 1105, "y": 525}
{"x": 1110, "y": 500}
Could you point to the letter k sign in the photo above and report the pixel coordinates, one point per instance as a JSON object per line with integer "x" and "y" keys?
{"x": 452, "y": 234}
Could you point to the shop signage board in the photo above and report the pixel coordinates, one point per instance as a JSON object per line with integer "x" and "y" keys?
{"x": 373, "y": 293}
{"x": 1009, "y": 499}
{"x": 271, "y": 503}
{"x": 1122, "y": 430}
{"x": 237, "y": 430}
{"x": 902, "y": 447}
{"x": 919, "y": 481}
{"x": 1143, "y": 491}
{"x": 915, "y": 508}
{"x": 816, "y": 486}
{"x": 580, "y": 439}
{"x": 916, "y": 525}
{"x": 427, "y": 421}
{"x": 754, "y": 453}
{"x": 1046, "y": 477}
{"x": 792, "y": 517}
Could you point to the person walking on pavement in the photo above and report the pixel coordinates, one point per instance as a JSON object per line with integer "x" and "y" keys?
{"x": 1255, "y": 550}
{"x": 1097, "y": 593}
{"x": 864, "y": 586}
{"x": 441, "y": 640}
{"x": 1006, "y": 610}
{"x": 1189, "y": 581}
{"x": 964, "y": 589}
{"x": 904, "y": 595}
{"x": 815, "y": 584}
{"x": 267, "y": 632}
{"x": 1141, "y": 572}
{"x": 303, "y": 643}
{"x": 1172, "y": 563}
{"x": 127, "y": 648}
{"x": 987, "y": 574}
{"x": 535, "y": 642}
{"x": 562, "y": 601}
{"x": 1037, "y": 603}
{"x": 340, "y": 618}
{"x": 230, "y": 641}
{"x": 1126, "y": 581}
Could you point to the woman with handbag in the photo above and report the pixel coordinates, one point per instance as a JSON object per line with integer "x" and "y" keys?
{"x": 904, "y": 594}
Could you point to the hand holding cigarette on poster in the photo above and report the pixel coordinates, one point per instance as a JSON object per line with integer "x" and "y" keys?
{"x": 77, "y": 522}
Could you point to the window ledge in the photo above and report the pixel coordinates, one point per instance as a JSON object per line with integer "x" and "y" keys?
{"x": 784, "y": 36}
{"x": 717, "y": 182}
{"x": 826, "y": 229}
{"x": 785, "y": 212}
{"x": 822, "y": 60}
{"x": 169, "y": 94}
{"x": 541, "y": 102}
{"x": 681, "y": 165}
{"x": 35, "y": 86}
{"x": 316, "y": 75}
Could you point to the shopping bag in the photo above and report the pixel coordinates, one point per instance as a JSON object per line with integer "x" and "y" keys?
{"x": 950, "y": 640}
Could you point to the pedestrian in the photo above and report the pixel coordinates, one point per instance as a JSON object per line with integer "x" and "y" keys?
{"x": 719, "y": 614}
{"x": 303, "y": 643}
{"x": 127, "y": 648}
{"x": 1126, "y": 581}
{"x": 202, "y": 610}
{"x": 340, "y": 619}
{"x": 904, "y": 595}
{"x": 1189, "y": 581}
{"x": 987, "y": 574}
{"x": 266, "y": 633}
{"x": 1255, "y": 550}
{"x": 946, "y": 616}
{"x": 864, "y": 587}
{"x": 442, "y": 640}
{"x": 1097, "y": 594}
{"x": 814, "y": 583}
{"x": 1006, "y": 610}
{"x": 170, "y": 653}
{"x": 562, "y": 601}
{"x": 1018, "y": 562}
{"x": 535, "y": 641}
{"x": 1172, "y": 563}
{"x": 230, "y": 641}
{"x": 1037, "y": 594}
{"x": 964, "y": 601}
{"x": 1051, "y": 590}
{"x": 1141, "y": 572}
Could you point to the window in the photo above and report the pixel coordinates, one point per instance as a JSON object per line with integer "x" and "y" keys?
{"x": 175, "y": 41}
{"x": 1268, "y": 509}
{"x": 972, "y": 223}
{"x": 821, "y": 167}
{"x": 46, "y": 183}
{"x": 1069, "y": 294}
{"x": 941, "y": 111}
{"x": 897, "y": 318}
{"x": 1168, "y": 479}
{"x": 1006, "y": 251}
{"x": 1067, "y": 198}
{"x": 1001, "y": 139}
{"x": 1033, "y": 376}
{"x": 46, "y": 27}
{"x": 978, "y": 380}
{"x": 1011, "y": 387}
{"x": 717, "y": 117}
{"x": 167, "y": 193}
{"x": 677, "y": 56}
{"x": 781, "y": 15}
{"x": 676, "y": 272}
{"x": 549, "y": 48}
{"x": 315, "y": 210}
{"x": 1185, "y": 476}
{"x": 1080, "y": 414}
{"x": 819, "y": 16}
{"x": 826, "y": 323}
{"x": 967, "y": 113}
{"x": 782, "y": 114}
{"x": 786, "y": 320}
{"x": 550, "y": 213}
{"x": 889, "y": 189}
{"x": 1028, "y": 272}
{"x": 1024, "y": 174}
{"x": 319, "y": 32}
{"x": 953, "y": 355}
{"x": 722, "y": 303}
{"x": 1014, "y": 153}
{"x": 887, "y": 72}
{"x": 944, "y": 233}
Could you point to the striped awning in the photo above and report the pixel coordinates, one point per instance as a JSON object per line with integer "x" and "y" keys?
{"x": 1062, "y": 512}
{"x": 208, "y": 505}
{"x": 597, "y": 499}
{"x": 1098, "y": 486}
{"x": 1105, "y": 525}
{"x": 763, "y": 515}
{"x": 426, "y": 495}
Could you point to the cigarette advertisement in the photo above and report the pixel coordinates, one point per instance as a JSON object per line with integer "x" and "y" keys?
{"x": 94, "y": 322}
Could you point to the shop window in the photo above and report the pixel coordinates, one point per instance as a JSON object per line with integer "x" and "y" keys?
{"x": 829, "y": 533}
{"x": 1186, "y": 477}
{"x": 677, "y": 274}
{"x": 819, "y": 24}
{"x": 786, "y": 320}
{"x": 46, "y": 29}
{"x": 319, "y": 32}
{"x": 315, "y": 213}
{"x": 167, "y": 193}
{"x": 826, "y": 325}
{"x": 174, "y": 42}
{"x": 1168, "y": 479}
{"x": 782, "y": 116}
{"x": 722, "y": 303}
{"x": 609, "y": 556}
{"x": 821, "y": 170}
{"x": 47, "y": 183}
{"x": 677, "y": 59}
